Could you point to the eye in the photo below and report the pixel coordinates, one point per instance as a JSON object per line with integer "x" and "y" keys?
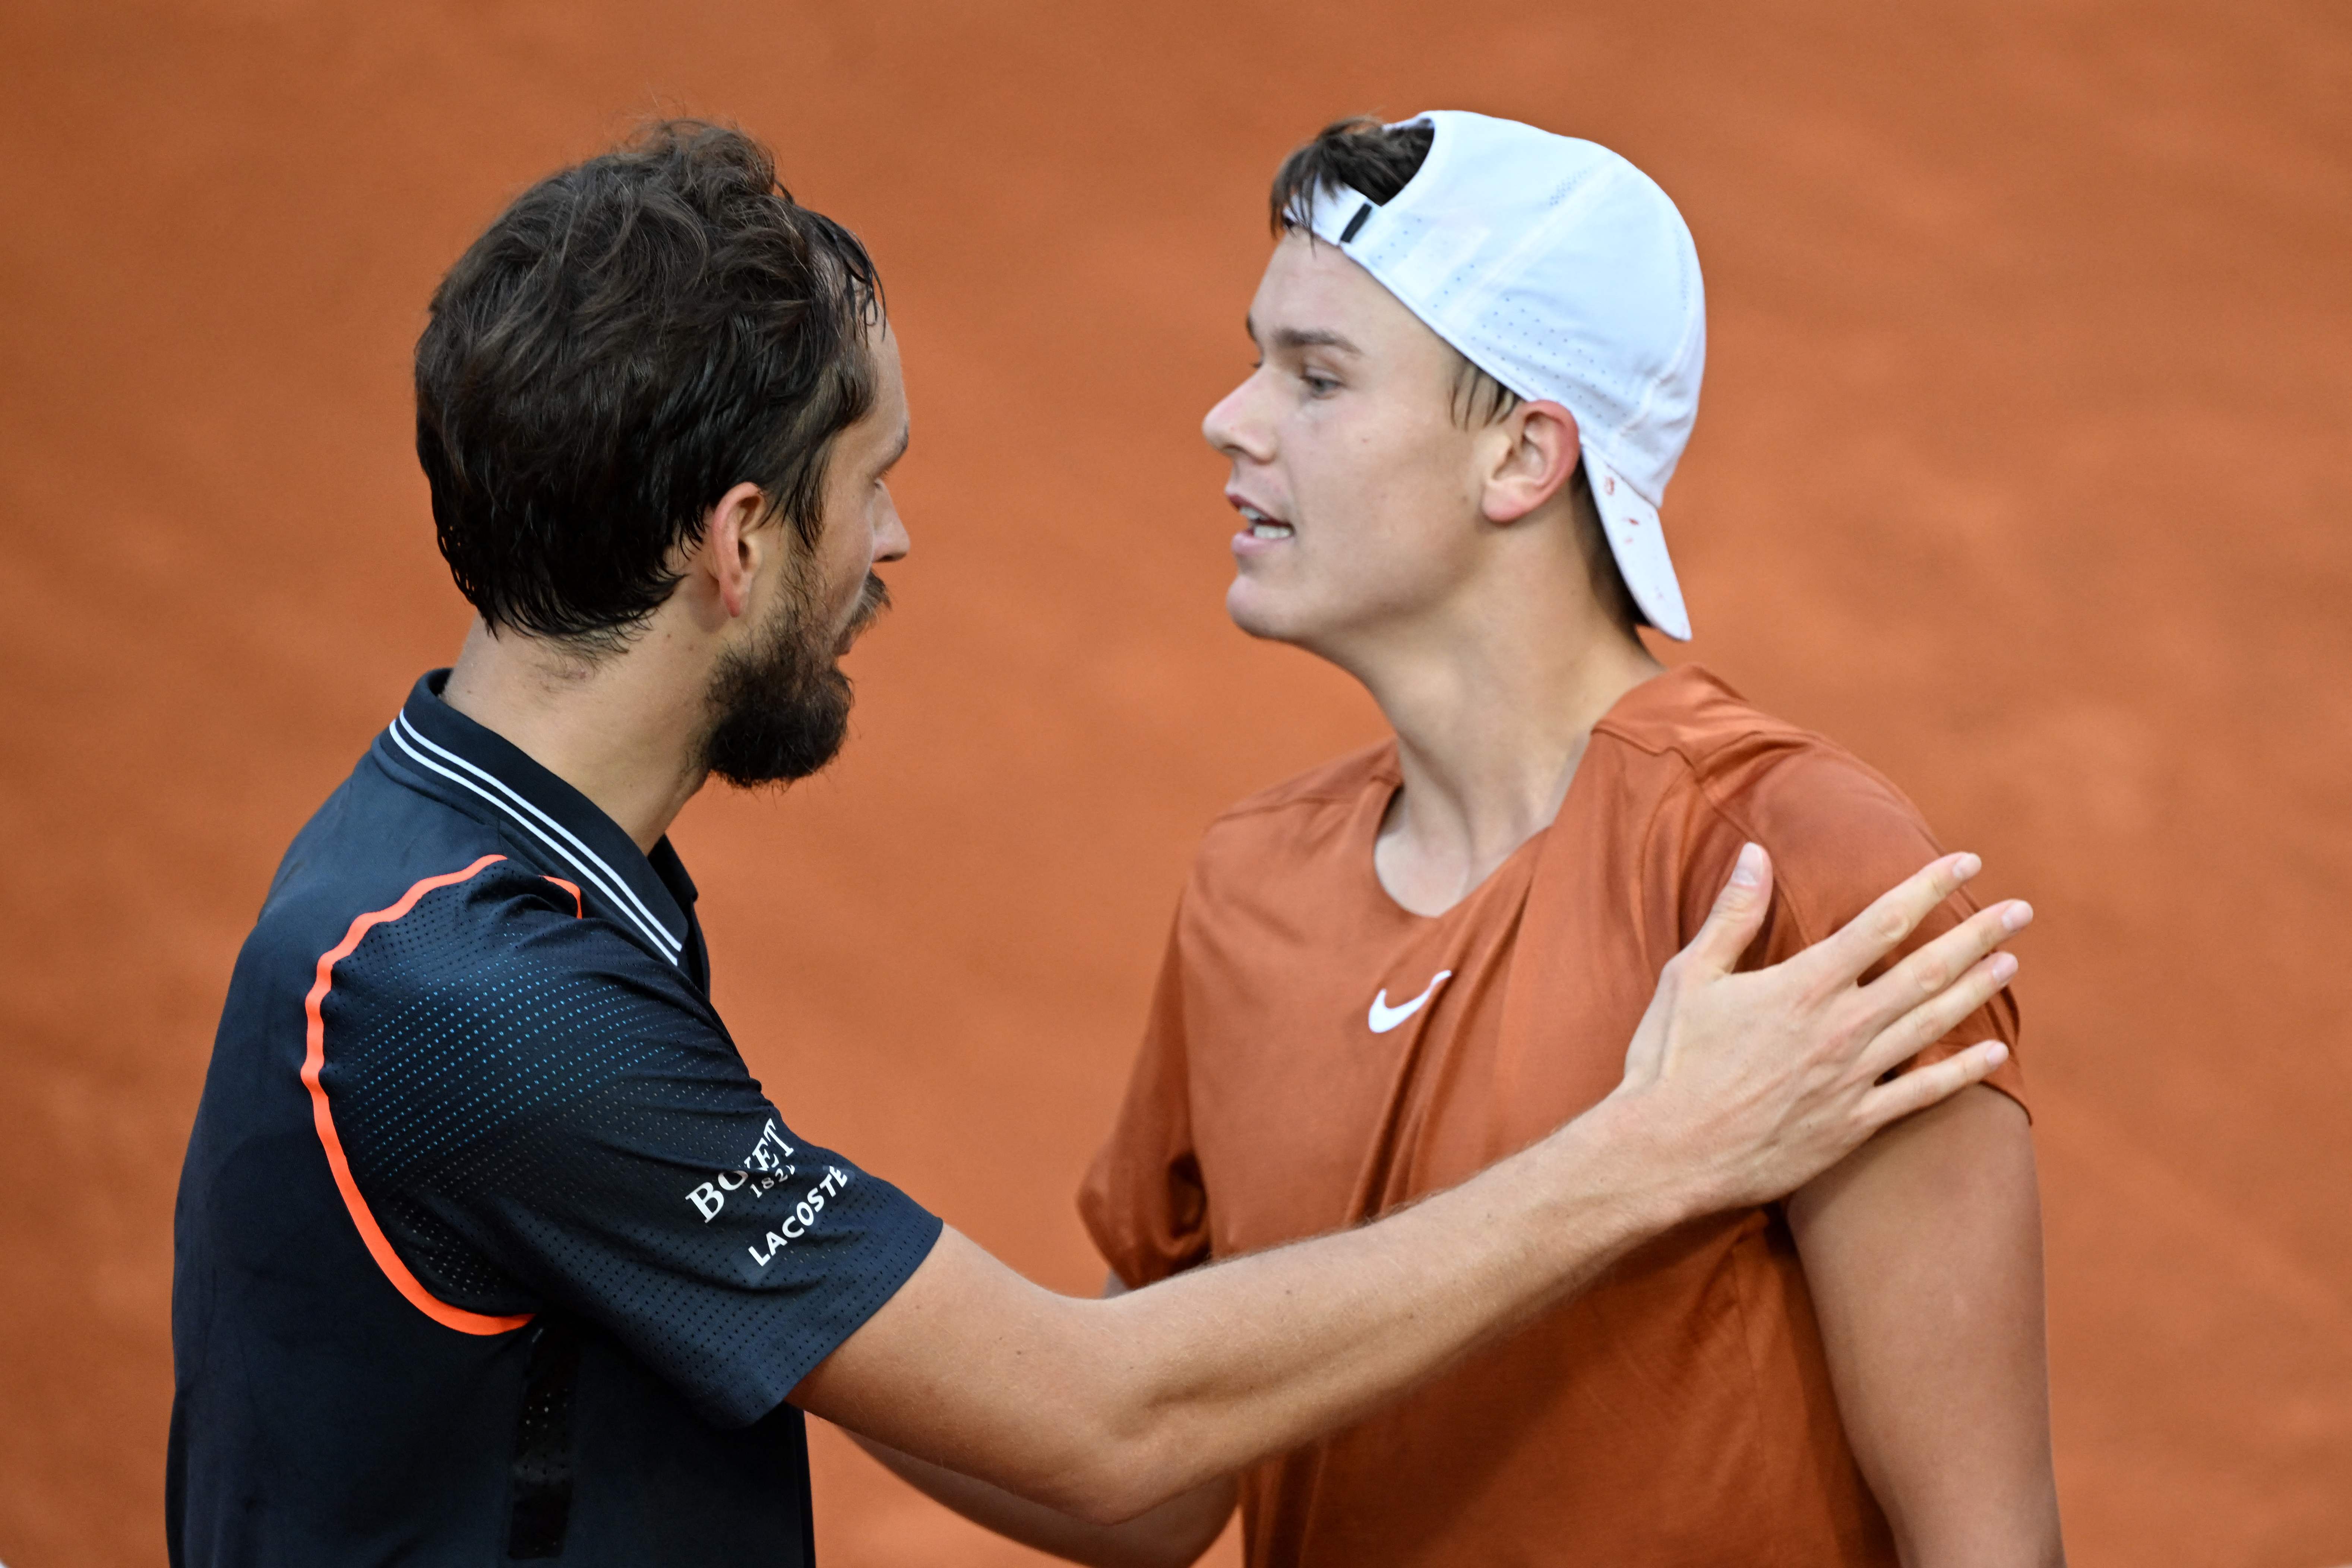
{"x": 1317, "y": 384}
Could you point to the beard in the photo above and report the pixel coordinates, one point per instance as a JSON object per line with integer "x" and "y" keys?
{"x": 780, "y": 704}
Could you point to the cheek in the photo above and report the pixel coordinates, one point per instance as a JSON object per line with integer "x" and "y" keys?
{"x": 1368, "y": 448}
{"x": 1335, "y": 473}
{"x": 1398, "y": 537}
{"x": 1362, "y": 491}
{"x": 847, "y": 551}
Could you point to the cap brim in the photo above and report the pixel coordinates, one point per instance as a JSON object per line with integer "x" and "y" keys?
{"x": 1640, "y": 546}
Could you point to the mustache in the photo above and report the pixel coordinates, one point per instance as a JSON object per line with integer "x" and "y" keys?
{"x": 872, "y": 601}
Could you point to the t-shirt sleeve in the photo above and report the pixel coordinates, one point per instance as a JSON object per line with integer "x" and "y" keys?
{"x": 531, "y": 1102}
{"x": 1839, "y": 836}
{"x": 1142, "y": 1201}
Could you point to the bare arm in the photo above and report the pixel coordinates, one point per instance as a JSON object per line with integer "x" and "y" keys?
{"x": 1924, "y": 1253}
{"x": 1738, "y": 1088}
{"x": 1172, "y": 1535}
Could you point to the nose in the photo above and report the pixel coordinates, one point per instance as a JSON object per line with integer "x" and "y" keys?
{"x": 890, "y": 539}
{"x": 1232, "y": 428}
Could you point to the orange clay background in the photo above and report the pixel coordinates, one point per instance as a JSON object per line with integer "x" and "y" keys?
{"x": 2025, "y": 470}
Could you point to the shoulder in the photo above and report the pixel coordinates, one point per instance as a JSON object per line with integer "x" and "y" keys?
{"x": 445, "y": 893}
{"x": 1284, "y": 819}
{"x": 481, "y": 997}
{"x": 1757, "y": 768}
{"x": 372, "y": 935}
{"x": 1340, "y": 782}
{"x": 1304, "y": 844}
{"x": 382, "y": 865}
{"x": 495, "y": 934}
{"x": 1693, "y": 718}
{"x": 1839, "y": 831}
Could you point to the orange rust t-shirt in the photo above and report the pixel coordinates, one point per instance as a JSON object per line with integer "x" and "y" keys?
{"x": 1318, "y": 1055}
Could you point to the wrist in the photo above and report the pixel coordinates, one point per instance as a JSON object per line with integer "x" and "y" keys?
{"x": 1647, "y": 1172}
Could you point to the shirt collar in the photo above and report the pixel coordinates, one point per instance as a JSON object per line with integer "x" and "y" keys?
{"x": 457, "y": 758}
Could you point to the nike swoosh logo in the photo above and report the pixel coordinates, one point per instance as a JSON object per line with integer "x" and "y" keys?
{"x": 1384, "y": 1017}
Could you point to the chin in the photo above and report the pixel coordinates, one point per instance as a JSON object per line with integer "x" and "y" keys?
{"x": 1262, "y": 613}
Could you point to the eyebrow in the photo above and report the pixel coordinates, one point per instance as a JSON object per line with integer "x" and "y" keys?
{"x": 1303, "y": 337}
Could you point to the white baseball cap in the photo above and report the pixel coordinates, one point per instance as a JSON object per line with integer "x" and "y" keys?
{"x": 1565, "y": 273}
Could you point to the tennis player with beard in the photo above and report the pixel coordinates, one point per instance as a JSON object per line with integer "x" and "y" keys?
{"x": 488, "y": 1247}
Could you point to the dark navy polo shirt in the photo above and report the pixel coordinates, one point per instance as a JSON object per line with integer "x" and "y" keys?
{"x": 490, "y": 1248}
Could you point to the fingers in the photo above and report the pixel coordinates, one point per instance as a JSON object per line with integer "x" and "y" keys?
{"x": 1840, "y": 959}
{"x": 1739, "y": 912}
{"x": 1938, "y": 1015}
{"x": 1924, "y": 974}
{"x": 1929, "y": 1085}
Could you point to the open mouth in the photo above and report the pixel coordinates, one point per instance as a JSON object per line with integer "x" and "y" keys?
{"x": 1262, "y": 526}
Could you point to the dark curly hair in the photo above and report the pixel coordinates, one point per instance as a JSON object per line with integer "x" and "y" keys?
{"x": 631, "y": 339}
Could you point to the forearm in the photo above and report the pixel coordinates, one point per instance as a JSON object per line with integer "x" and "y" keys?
{"x": 1261, "y": 1353}
{"x": 1738, "y": 1088}
{"x": 1106, "y": 1409}
{"x": 1171, "y": 1535}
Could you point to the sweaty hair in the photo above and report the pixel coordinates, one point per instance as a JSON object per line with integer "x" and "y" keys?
{"x": 1378, "y": 160}
{"x": 631, "y": 339}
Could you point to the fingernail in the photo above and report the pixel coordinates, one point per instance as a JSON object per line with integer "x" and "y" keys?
{"x": 1966, "y": 865}
{"x": 2018, "y": 916}
{"x": 1995, "y": 1052}
{"x": 2003, "y": 966}
{"x": 1747, "y": 871}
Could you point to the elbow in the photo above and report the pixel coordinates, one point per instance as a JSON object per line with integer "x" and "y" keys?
{"x": 1113, "y": 1478}
{"x": 1104, "y": 1512}
{"x": 1124, "y": 1443}
{"x": 1106, "y": 1492}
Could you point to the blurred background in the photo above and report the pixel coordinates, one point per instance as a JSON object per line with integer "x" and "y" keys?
{"x": 2024, "y": 470}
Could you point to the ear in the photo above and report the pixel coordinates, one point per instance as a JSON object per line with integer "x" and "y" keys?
{"x": 1538, "y": 454}
{"x": 734, "y": 546}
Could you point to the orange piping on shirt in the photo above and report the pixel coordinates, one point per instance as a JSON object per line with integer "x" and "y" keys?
{"x": 315, "y": 1058}
{"x": 579, "y": 910}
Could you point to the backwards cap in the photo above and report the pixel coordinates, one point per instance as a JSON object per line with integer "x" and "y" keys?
{"x": 1562, "y": 272}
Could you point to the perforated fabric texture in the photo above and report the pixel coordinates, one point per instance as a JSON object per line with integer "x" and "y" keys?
{"x": 538, "y": 1111}
{"x": 1566, "y": 273}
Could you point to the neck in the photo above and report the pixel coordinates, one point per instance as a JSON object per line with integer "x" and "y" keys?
{"x": 1492, "y": 704}
{"x": 612, "y": 729}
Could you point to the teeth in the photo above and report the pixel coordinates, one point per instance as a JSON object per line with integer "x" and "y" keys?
{"x": 1262, "y": 526}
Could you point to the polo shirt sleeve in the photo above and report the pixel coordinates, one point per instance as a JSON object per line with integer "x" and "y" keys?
{"x": 529, "y": 1100}
{"x": 1840, "y": 835}
{"x": 1143, "y": 1201}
